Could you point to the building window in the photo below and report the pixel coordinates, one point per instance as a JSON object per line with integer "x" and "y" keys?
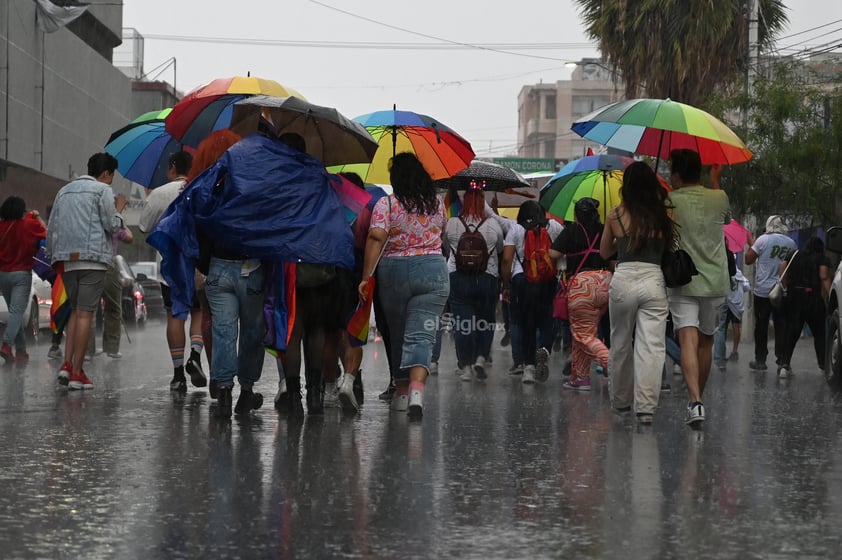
{"x": 549, "y": 107}
{"x": 549, "y": 148}
{"x": 584, "y": 104}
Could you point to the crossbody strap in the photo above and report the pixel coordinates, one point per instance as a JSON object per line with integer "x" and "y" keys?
{"x": 586, "y": 252}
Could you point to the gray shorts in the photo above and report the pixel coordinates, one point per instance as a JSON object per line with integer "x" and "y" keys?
{"x": 84, "y": 288}
{"x": 696, "y": 311}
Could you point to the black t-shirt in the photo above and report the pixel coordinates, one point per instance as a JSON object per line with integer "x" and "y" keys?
{"x": 572, "y": 240}
{"x": 804, "y": 270}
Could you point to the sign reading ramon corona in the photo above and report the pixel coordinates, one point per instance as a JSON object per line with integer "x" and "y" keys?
{"x": 527, "y": 165}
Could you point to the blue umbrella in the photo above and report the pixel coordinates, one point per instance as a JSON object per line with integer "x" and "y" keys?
{"x": 143, "y": 148}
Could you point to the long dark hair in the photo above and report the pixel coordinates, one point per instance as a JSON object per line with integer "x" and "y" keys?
{"x": 644, "y": 200}
{"x": 13, "y": 208}
{"x": 412, "y": 185}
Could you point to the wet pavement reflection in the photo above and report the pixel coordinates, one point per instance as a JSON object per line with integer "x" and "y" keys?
{"x": 496, "y": 469}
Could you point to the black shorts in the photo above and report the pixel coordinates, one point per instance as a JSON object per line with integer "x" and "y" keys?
{"x": 166, "y": 294}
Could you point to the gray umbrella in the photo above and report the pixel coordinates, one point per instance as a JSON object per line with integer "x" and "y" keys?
{"x": 486, "y": 176}
{"x": 330, "y": 136}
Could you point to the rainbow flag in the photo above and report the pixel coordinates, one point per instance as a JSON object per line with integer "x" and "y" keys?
{"x": 360, "y": 321}
{"x": 60, "y": 307}
{"x": 353, "y": 198}
{"x": 452, "y": 203}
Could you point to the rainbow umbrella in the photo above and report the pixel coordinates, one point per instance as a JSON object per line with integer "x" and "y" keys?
{"x": 143, "y": 148}
{"x": 654, "y": 127}
{"x": 209, "y": 107}
{"x": 441, "y": 150}
{"x": 599, "y": 177}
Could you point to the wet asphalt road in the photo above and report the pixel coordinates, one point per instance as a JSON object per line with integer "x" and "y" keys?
{"x": 494, "y": 470}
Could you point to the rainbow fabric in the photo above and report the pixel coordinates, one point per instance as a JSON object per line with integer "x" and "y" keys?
{"x": 360, "y": 321}
{"x": 452, "y": 203}
{"x": 60, "y": 307}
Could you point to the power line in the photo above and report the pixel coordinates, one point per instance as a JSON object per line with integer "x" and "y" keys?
{"x": 809, "y": 30}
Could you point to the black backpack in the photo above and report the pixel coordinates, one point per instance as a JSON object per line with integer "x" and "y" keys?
{"x": 472, "y": 251}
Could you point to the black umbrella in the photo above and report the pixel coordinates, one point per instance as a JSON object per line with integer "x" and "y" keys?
{"x": 486, "y": 176}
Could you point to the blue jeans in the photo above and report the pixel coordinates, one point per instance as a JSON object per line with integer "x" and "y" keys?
{"x": 473, "y": 301}
{"x": 414, "y": 291}
{"x": 236, "y": 304}
{"x": 15, "y": 287}
{"x": 719, "y": 349}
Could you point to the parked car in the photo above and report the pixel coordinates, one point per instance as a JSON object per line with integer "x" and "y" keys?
{"x": 146, "y": 273}
{"x": 37, "y": 314}
{"x": 133, "y": 296}
{"x": 833, "y": 360}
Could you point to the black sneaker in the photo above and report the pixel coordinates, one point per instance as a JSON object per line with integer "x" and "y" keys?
{"x": 359, "y": 394}
{"x": 213, "y": 389}
{"x": 505, "y": 340}
{"x": 194, "y": 370}
{"x": 223, "y": 403}
{"x": 315, "y": 400}
{"x": 178, "y": 382}
{"x": 248, "y": 401}
{"x": 757, "y": 365}
{"x": 387, "y": 394}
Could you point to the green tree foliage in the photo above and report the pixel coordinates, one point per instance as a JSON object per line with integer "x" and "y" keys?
{"x": 794, "y": 128}
{"x": 680, "y": 49}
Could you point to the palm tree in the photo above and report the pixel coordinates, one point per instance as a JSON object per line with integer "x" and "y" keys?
{"x": 675, "y": 48}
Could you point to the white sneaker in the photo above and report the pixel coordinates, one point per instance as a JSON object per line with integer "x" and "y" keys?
{"x": 784, "y": 372}
{"x": 55, "y": 353}
{"x": 346, "y": 396}
{"x": 331, "y": 398}
{"x": 528, "y": 375}
{"x": 467, "y": 373}
{"x": 434, "y": 368}
{"x": 479, "y": 368}
{"x": 695, "y": 414}
{"x": 516, "y": 369}
{"x": 400, "y": 403}
{"x": 282, "y": 389}
{"x": 416, "y": 403}
{"x": 115, "y": 355}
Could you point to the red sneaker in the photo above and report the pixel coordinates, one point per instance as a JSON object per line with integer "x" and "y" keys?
{"x": 6, "y": 353}
{"x": 64, "y": 373}
{"x": 21, "y": 357}
{"x": 78, "y": 380}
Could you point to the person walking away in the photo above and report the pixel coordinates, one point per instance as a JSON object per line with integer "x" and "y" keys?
{"x": 20, "y": 235}
{"x": 731, "y": 313}
{"x": 412, "y": 274}
{"x": 529, "y": 284}
{"x": 112, "y": 320}
{"x": 587, "y": 290}
{"x": 807, "y": 284}
{"x": 638, "y": 231}
{"x": 474, "y": 243}
{"x": 157, "y": 203}
{"x": 700, "y": 213}
{"x": 85, "y": 215}
{"x": 768, "y": 251}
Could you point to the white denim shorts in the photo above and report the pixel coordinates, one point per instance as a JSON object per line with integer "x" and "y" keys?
{"x": 696, "y": 311}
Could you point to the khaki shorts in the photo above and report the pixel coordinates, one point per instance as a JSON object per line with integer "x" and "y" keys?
{"x": 84, "y": 288}
{"x": 696, "y": 311}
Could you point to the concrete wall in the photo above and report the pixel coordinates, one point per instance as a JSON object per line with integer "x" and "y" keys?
{"x": 60, "y": 98}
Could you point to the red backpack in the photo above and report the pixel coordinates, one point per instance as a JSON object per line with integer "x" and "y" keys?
{"x": 471, "y": 253}
{"x": 537, "y": 263}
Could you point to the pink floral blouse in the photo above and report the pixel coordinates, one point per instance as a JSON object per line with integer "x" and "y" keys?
{"x": 409, "y": 234}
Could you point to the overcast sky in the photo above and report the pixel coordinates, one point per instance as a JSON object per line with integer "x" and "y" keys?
{"x": 472, "y": 90}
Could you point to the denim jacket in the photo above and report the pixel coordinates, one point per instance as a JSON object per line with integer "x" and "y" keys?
{"x": 82, "y": 222}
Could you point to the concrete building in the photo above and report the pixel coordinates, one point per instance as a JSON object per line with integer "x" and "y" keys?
{"x": 61, "y": 97}
{"x": 547, "y": 111}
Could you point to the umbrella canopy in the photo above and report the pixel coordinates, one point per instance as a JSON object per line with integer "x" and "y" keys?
{"x": 736, "y": 236}
{"x": 143, "y": 148}
{"x": 440, "y": 149}
{"x": 209, "y": 107}
{"x": 583, "y": 178}
{"x": 486, "y": 176}
{"x": 654, "y": 127}
{"x": 330, "y": 136}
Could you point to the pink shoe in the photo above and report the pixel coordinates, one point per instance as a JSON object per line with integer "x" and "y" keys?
{"x": 578, "y": 384}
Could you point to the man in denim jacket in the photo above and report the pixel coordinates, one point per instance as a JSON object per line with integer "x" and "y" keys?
{"x": 79, "y": 241}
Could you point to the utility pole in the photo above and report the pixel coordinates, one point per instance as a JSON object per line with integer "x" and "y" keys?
{"x": 753, "y": 10}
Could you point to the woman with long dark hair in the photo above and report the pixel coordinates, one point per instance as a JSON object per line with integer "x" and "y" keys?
{"x": 412, "y": 275}
{"x": 638, "y": 231}
{"x": 473, "y": 282}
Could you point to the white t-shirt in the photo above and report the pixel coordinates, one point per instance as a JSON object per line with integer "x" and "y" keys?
{"x": 490, "y": 230}
{"x": 771, "y": 249}
{"x": 156, "y": 204}
{"x": 517, "y": 236}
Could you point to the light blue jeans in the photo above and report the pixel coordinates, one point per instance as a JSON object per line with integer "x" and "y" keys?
{"x": 236, "y": 304}
{"x": 15, "y": 287}
{"x": 413, "y": 291}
